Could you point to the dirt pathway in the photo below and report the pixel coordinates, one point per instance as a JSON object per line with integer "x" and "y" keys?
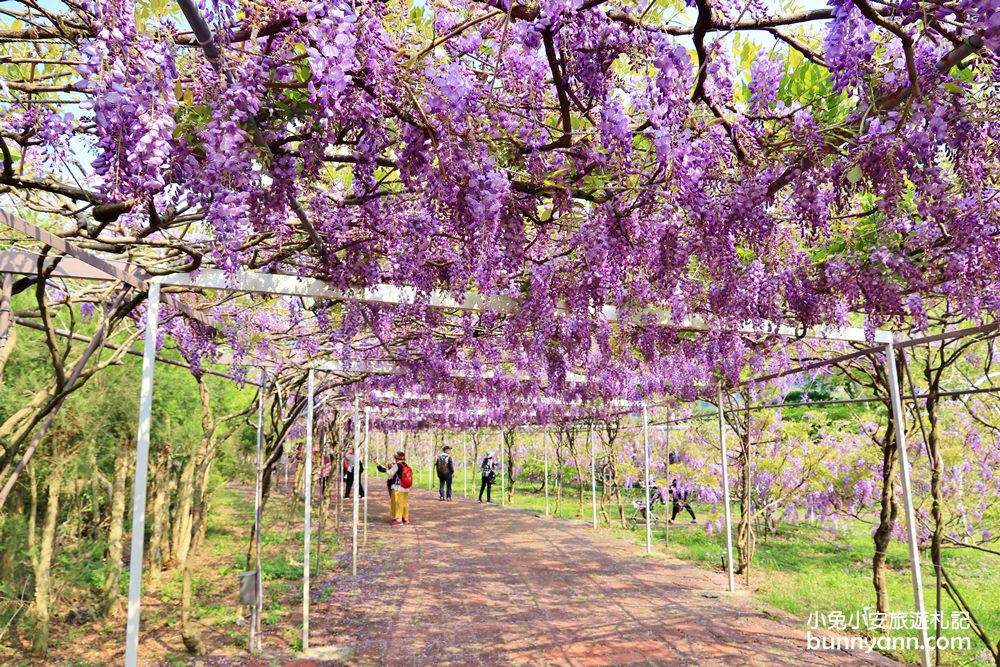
{"x": 469, "y": 584}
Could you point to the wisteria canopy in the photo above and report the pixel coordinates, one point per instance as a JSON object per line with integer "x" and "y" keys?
{"x": 731, "y": 162}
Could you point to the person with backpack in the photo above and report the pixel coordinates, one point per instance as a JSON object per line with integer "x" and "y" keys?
{"x": 445, "y": 466}
{"x": 400, "y": 479}
{"x": 679, "y": 497}
{"x": 489, "y": 470}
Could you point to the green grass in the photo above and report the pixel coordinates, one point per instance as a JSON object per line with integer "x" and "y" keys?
{"x": 281, "y": 558}
{"x": 807, "y": 568}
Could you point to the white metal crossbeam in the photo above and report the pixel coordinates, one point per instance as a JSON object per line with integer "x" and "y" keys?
{"x": 542, "y": 400}
{"x": 280, "y": 284}
{"x": 269, "y": 283}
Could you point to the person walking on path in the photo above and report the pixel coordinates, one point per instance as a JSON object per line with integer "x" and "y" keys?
{"x": 400, "y": 479}
{"x": 445, "y": 466}
{"x": 350, "y": 463}
{"x": 679, "y": 498}
{"x": 489, "y": 470}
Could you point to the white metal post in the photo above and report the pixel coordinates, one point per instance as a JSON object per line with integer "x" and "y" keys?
{"x": 911, "y": 525}
{"x": 667, "y": 498}
{"x": 341, "y": 453}
{"x": 307, "y": 533}
{"x": 356, "y": 442}
{"x": 725, "y": 496}
{"x": 364, "y": 465}
{"x": 545, "y": 470}
{"x": 141, "y": 474}
{"x": 645, "y": 456}
{"x": 593, "y": 471}
{"x": 430, "y": 459}
{"x": 465, "y": 464}
{"x": 503, "y": 470}
{"x": 257, "y": 501}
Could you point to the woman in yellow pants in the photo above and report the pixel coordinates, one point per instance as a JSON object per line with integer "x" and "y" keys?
{"x": 400, "y": 479}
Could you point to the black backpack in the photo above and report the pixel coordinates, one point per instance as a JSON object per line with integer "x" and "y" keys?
{"x": 442, "y": 466}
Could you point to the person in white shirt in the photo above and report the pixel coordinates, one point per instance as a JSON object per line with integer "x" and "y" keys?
{"x": 350, "y": 461}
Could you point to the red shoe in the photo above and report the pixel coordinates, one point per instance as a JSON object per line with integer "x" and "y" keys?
{"x": 397, "y": 522}
{"x": 406, "y": 521}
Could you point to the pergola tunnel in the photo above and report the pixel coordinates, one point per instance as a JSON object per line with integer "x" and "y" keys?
{"x": 361, "y": 435}
{"x": 706, "y": 291}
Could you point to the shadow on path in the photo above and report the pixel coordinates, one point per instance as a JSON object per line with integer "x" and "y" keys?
{"x": 473, "y": 584}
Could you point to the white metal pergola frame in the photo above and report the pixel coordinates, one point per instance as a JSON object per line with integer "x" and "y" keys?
{"x": 97, "y": 268}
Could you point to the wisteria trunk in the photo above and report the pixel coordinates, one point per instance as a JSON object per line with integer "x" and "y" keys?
{"x": 887, "y": 519}
{"x": 160, "y": 511}
{"x": 189, "y": 629}
{"x": 745, "y": 538}
{"x": 110, "y": 592}
{"x": 43, "y": 565}
{"x": 937, "y": 500}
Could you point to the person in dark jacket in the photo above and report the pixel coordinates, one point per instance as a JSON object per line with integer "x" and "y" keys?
{"x": 488, "y": 467}
{"x": 679, "y": 497}
{"x": 445, "y": 466}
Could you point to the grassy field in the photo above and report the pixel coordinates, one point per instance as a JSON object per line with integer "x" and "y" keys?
{"x": 804, "y": 568}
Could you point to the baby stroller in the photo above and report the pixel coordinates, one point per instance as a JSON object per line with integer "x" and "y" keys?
{"x": 639, "y": 508}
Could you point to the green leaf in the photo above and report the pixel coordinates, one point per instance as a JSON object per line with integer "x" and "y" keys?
{"x": 854, "y": 175}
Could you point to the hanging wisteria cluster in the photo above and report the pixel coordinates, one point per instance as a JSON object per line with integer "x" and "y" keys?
{"x": 571, "y": 156}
